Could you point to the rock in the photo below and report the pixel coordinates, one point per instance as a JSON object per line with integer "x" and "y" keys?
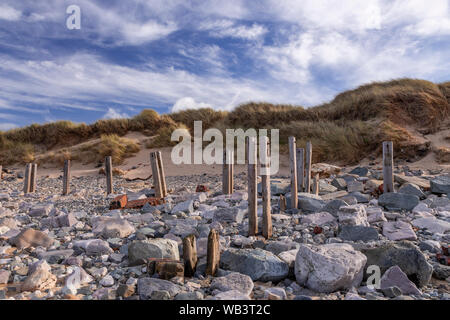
{"x": 398, "y": 230}
{"x": 339, "y": 183}
{"x": 107, "y": 281}
{"x": 330, "y": 267}
{"x": 375, "y": 214}
{"x": 431, "y": 246}
{"x": 233, "y": 281}
{"x": 440, "y": 271}
{"x": 309, "y": 203}
{"x": 258, "y": 264}
{"x": 318, "y": 219}
{"x": 333, "y": 206}
{"x": 93, "y": 247}
{"x": 360, "y": 171}
{"x": 186, "y": 206}
{"x": 189, "y": 296}
{"x": 372, "y": 185}
{"x": 41, "y": 211}
{"x": 289, "y": 258}
{"x": 360, "y": 198}
{"x": 55, "y": 256}
{"x": 4, "y": 276}
{"x": 354, "y": 215}
{"x": 277, "y": 186}
{"x": 403, "y": 254}
{"x": 276, "y": 247}
{"x": 76, "y": 280}
{"x": 31, "y": 238}
{"x": 440, "y": 185}
{"x": 234, "y": 214}
{"x": 391, "y": 292}
{"x": 394, "y": 276}
{"x": 358, "y": 233}
{"x": 40, "y": 278}
{"x": 125, "y": 290}
{"x": 275, "y": 294}
{"x": 146, "y": 286}
{"x": 421, "y": 208}
{"x": 112, "y": 228}
{"x": 355, "y": 186}
{"x": 432, "y": 224}
{"x": 412, "y": 189}
{"x": 140, "y": 251}
{"x": 231, "y": 295}
{"x": 398, "y": 201}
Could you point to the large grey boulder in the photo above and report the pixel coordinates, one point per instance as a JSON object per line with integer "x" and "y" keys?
{"x": 258, "y": 264}
{"x": 333, "y": 206}
{"x": 403, "y": 254}
{"x": 233, "y": 281}
{"x": 398, "y": 230}
{"x": 395, "y": 277}
{"x": 440, "y": 185}
{"x": 398, "y": 201}
{"x": 432, "y": 224}
{"x": 412, "y": 189}
{"x": 358, "y": 233}
{"x": 330, "y": 267}
{"x": 140, "y": 251}
{"x": 354, "y": 215}
{"x": 310, "y": 203}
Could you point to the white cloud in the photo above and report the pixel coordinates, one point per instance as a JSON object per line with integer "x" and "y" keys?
{"x": 188, "y": 103}
{"x": 9, "y": 13}
{"x": 7, "y": 126}
{"x": 114, "y": 114}
{"x": 227, "y": 28}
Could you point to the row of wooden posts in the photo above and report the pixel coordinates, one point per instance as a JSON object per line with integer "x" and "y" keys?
{"x": 159, "y": 177}
{"x": 300, "y": 165}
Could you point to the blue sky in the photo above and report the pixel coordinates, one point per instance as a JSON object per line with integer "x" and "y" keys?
{"x": 172, "y": 55}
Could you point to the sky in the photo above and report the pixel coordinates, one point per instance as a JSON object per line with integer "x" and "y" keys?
{"x": 171, "y": 55}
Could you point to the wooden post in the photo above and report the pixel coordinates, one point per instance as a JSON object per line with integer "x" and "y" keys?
{"x": 388, "y": 167}
{"x": 156, "y": 175}
{"x": 231, "y": 171}
{"x": 316, "y": 184}
{"x": 33, "y": 179}
{"x": 212, "y": 253}
{"x": 27, "y": 178}
{"x": 293, "y": 168}
{"x": 300, "y": 169}
{"x": 1, "y": 173}
{"x": 225, "y": 174}
{"x": 109, "y": 175}
{"x": 265, "y": 186}
{"x": 308, "y": 164}
{"x": 189, "y": 255}
{"x": 252, "y": 187}
{"x": 66, "y": 177}
{"x": 282, "y": 203}
{"x": 162, "y": 174}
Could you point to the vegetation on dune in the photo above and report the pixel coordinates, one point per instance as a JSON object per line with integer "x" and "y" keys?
{"x": 347, "y": 129}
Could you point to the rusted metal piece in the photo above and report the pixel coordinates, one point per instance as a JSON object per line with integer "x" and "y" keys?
{"x": 445, "y": 260}
{"x": 119, "y": 202}
{"x": 165, "y": 268}
{"x": 137, "y": 204}
{"x": 317, "y": 230}
{"x": 445, "y": 250}
{"x": 201, "y": 188}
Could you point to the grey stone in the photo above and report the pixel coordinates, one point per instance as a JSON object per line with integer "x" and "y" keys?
{"x": 277, "y": 187}
{"x": 358, "y": 233}
{"x": 360, "y": 171}
{"x": 398, "y": 230}
{"x": 146, "y": 286}
{"x": 398, "y": 201}
{"x": 233, "y": 281}
{"x": 431, "y": 246}
{"x": 93, "y": 247}
{"x": 339, "y": 183}
{"x": 333, "y": 206}
{"x": 186, "y": 206}
{"x": 355, "y": 186}
{"x": 140, "y": 251}
{"x": 432, "y": 224}
{"x": 258, "y": 264}
{"x": 412, "y": 189}
{"x": 394, "y": 276}
{"x": 440, "y": 185}
{"x": 354, "y": 215}
{"x": 112, "y": 228}
{"x": 319, "y": 218}
{"x": 234, "y": 214}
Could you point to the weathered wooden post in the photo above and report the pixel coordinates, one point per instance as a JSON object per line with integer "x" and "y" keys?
{"x": 109, "y": 175}
{"x": 293, "y": 168}
{"x": 27, "y": 178}
{"x": 308, "y": 164}
{"x": 282, "y": 203}
{"x": 189, "y": 255}
{"x": 300, "y": 169}
{"x": 265, "y": 186}
{"x": 33, "y": 179}
{"x": 1, "y": 173}
{"x": 212, "y": 253}
{"x": 225, "y": 174}
{"x": 388, "y": 167}
{"x": 231, "y": 171}
{"x": 156, "y": 175}
{"x": 66, "y": 177}
{"x": 162, "y": 175}
{"x": 316, "y": 184}
{"x": 252, "y": 187}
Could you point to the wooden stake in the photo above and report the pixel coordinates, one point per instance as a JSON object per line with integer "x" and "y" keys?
{"x": 27, "y": 178}
{"x": 189, "y": 255}
{"x": 293, "y": 168}
{"x": 66, "y": 177}
{"x": 316, "y": 184}
{"x": 252, "y": 187}
{"x": 156, "y": 175}
{"x": 33, "y": 179}
{"x": 388, "y": 167}
{"x": 162, "y": 175}
{"x": 265, "y": 186}
{"x": 282, "y": 203}
{"x": 300, "y": 169}
{"x": 1, "y": 173}
{"x": 213, "y": 253}
{"x": 231, "y": 171}
{"x": 109, "y": 175}
{"x": 225, "y": 174}
{"x": 308, "y": 164}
